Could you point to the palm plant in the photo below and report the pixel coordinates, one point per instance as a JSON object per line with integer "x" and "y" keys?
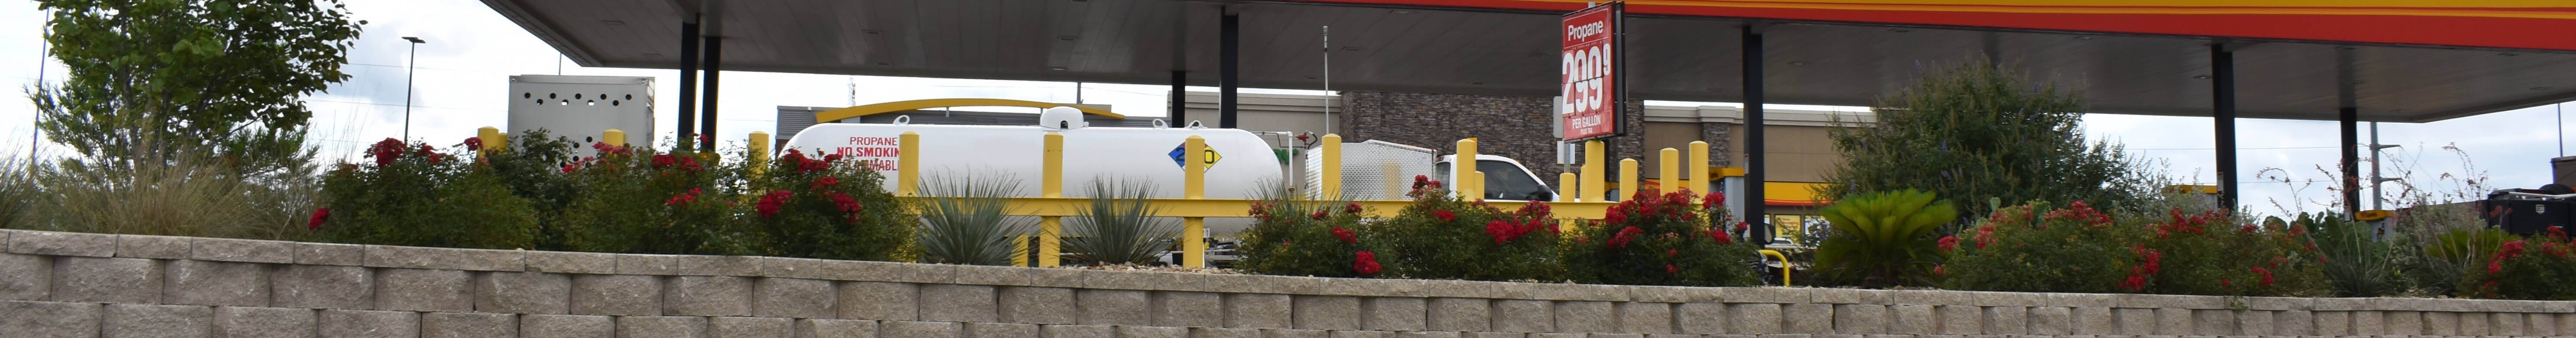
{"x": 965, "y": 220}
{"x": 1119, "y": 225}
{"x": 1883, "y": 239}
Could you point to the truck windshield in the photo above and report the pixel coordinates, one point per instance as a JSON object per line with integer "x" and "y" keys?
{"x": 1504, "y": 181}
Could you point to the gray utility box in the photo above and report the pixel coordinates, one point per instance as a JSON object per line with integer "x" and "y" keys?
{"x": 581, "y": 107}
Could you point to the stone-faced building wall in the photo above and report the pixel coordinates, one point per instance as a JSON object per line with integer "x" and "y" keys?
{"x": 1512, "y": 126}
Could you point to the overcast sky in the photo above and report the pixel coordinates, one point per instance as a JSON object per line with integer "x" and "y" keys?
{"x": 463, "y": 75}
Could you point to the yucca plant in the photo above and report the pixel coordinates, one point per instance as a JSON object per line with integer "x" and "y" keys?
{"x": 1883, "y": 239}
{"x": 2452, "y": 253}
{"x": 965, "y": 220}
{"x": 1118, "y": 225}
{"x": 2356, "y": 263}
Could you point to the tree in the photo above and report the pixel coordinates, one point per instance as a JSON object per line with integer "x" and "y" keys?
{"x": 1973, "y": 132}
{"x": 150, "y": 78}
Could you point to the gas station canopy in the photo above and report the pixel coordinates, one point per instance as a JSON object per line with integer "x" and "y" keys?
{"x": 2392, "y": 60}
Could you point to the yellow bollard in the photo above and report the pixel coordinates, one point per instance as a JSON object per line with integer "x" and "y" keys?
{"x": 493, "y": 141}
{"x": 907, "y": 164}
{"x": 1668, "y": 170}
{"x": 1595, "y": 177}
{"x": 1194, "y": 186}
{"x": 1331, "y": 175}
{"x": 1471, "y": 186}
{"x": 759, "y": 160}
{"x": 1564, "y": 183}
{"x": 613, "y": 137}
{"x": 1051, "y": 185}
{"x": 1698, "y": 167}
{"x": 1627, "y": 178}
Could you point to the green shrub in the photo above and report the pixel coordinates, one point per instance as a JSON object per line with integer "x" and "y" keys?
{"x": 415, "y": 196}
{"x": 1118, "y": 227}
{"x": 1289, "y": 238}
{"x": 1883, "y": 239}
{"x": 634, "y": 201}
{"x": 1439, "y": 236}
{"x": 530, "y": 164}
{"x": 1979, "y": 129}
{"x": 2033, "y": 248}
{"x": 1661, "y": 239}
{"x": 2079, "y": 249}
{"x": 2536, "y": 268}
{"x": 965, "y": 220}
{"x": 2358, "y": 264}
{"x": 827, "y": 208}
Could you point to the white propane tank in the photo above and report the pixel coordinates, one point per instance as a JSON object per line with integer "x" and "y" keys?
{"x": 1244, "y": 165}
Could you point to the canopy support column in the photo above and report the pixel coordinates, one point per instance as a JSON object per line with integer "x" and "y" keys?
{"x": 2222, "y": 84}
{"x": 1754, "y": 172}
{"x": 688, "y": 79}
{"x": 2350, "y": 118}
{"x": 707, "y": 107}
{"x": 1229, "y": 59}
{"x": 1180, "y": 89}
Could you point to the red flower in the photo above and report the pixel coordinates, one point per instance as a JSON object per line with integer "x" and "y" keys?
{"x": 474, "y": 143}
{"x": 1365, "y": 263}
{"x": 832, "y": 158}
{"x": 1670, "y": 269}
{"x": 1949, "y": 243}
{"x": 568, "y": 167}
{"x": 1346, "y": 235}
{"x": 2135, "y": 282}
{"x": 1501, "y": 231}
{"x": 1672, "y": 252}
{"x": 1319, "y": 215}
{"x": 663, "y": 161}
{"x": 386, "y": 151}
{"x": 426, "y": 150}
{"x": 1444, "y": 215}
{"x": 826, "y": 182}
{"x": 845, "y": 203}
{"x": 690, "y": 163}
{"x": 1625, "y": 235}
{"x": 1615, "y": 216}
{"x": 1940, "y": 270}
{"x": 1741, "y": 225}
{"x": 2267, "y": 276}
{"x": 1716, "y": 199}
{"x": 1721, "y": 237}
{"x": 319, "y": 215}
{"x": 1351, "y": 208}
{"x": 770, "y": 203}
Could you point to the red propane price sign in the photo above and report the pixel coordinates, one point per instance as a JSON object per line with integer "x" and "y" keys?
{"x": 1592, "y": 92}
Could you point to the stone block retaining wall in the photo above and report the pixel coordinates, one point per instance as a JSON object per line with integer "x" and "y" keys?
{"x": 96, "y": 285}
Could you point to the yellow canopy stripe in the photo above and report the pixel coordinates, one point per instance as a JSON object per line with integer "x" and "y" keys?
{"x": 897, "y": 106}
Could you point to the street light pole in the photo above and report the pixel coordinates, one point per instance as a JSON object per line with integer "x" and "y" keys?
{"x": 412, "y": 67}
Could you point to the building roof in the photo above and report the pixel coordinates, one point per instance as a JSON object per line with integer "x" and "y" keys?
{"x": 1506, "y": 47}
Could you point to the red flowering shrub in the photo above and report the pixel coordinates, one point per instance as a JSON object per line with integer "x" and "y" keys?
{"x": 1661, "y": 239}
{"x": 2035, "y": 248}
{"x": 414, "y": 195}
{"x": 1286, "y": 238}
{"x": 634, "y": 200}
{"x": 827, "y": 208}
{"x": 2535, "y": 268}
{"x": 1439, "y": 236}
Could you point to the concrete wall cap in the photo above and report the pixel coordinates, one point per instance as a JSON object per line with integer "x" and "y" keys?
{"x": 1783, "y": 295}
{"x": 411, "y": 257}
{"x": 2279, "y": 303}
{"x": 1992, "y": 298}
{"x": 1674, "y": 294}
{"x": 571, "y": 262}
{"x": 1847, "y": 296}
{"x": 329, "y": 254}
{"x": 242, "y": 250}
{"x": 2082, "y": 300}
{"x": 1928, "y": 297}
{"x": 158, "y": 247}
{"x": 2173, "y": 301}
{"x": 62, "y": 243}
